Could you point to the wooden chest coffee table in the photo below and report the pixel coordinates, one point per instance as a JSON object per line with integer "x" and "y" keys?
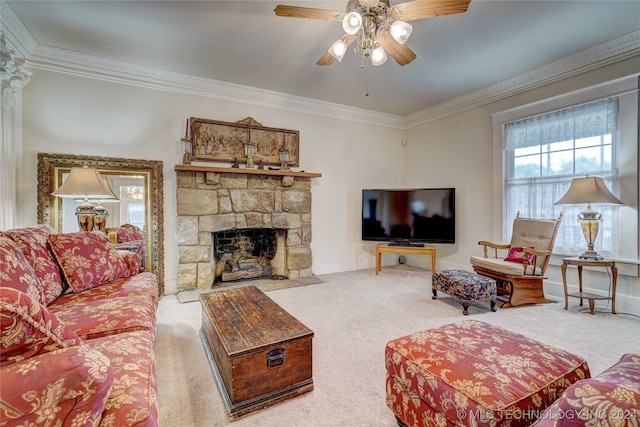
{"x": 259, "y": 353}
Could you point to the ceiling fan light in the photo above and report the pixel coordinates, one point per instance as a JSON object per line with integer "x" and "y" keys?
{"x": 338, "y": 49}
{"x": 400, "y": 31}
{"x": 378, "y": 56}
{"x": 352, "y": 22}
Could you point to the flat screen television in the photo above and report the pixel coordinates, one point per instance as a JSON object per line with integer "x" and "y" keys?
{"x": 420, "y": 215}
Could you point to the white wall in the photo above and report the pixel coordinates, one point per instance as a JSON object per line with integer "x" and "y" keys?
{"x": 74, "y": 115}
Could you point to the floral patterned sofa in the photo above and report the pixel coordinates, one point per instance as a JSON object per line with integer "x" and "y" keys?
{"x": 609, "y": 399}
{"x": 77, "y": 330}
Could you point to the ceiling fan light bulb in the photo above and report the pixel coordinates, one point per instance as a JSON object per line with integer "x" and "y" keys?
{"x": 400, "y": 31}
{"x": 338, "y": 49}
{"x": 378, "y": 56}
{"x": 352, "y": 22}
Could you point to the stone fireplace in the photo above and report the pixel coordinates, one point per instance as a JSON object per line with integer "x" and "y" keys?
{"x": 238, "y": 224}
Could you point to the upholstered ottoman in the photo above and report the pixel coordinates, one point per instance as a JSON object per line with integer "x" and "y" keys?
{"x": 475, "y": 374}
{"x": 465, "y": 286}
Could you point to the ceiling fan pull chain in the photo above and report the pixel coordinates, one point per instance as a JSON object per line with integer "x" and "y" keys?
{"x": 366, "y": 78}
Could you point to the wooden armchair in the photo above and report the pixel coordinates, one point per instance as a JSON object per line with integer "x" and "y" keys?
{"x": 520, "y": 273}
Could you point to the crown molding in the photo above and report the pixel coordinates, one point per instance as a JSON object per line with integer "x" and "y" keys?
{"x": 84, "y": 65}
{"x": 610, "y": 52}
{"x": 17, "y": 37}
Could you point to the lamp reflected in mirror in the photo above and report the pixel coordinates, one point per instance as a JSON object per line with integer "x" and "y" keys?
{"x": 85, "y": 183}
{"x": 101, "y": 212}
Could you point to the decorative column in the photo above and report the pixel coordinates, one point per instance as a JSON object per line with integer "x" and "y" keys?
{"x": 14, "y": 77}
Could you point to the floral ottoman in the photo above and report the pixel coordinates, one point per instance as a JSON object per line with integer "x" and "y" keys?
{"x": 465, "y": 286}
{"x": 474, "y": 374}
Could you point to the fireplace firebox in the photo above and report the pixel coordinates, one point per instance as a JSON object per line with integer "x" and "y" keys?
{"x": 247, "y": 254}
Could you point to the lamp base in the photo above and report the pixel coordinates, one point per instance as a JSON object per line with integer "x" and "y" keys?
{"x": 590, "y": 224}
{"x": 85, "y": 216}
{"x": 591, "y": 255}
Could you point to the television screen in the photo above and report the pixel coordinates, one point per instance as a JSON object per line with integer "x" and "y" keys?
{"x": 414, "y": 215}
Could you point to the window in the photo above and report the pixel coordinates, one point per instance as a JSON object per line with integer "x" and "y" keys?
{"x": 135, "y": 214}
{"x": 544, "y": 153}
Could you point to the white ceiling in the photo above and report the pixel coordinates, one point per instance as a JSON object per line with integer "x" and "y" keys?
{"x": 243, "y": 42}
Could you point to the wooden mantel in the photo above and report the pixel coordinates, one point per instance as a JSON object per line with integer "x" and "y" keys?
{"x": 199, "y": 168}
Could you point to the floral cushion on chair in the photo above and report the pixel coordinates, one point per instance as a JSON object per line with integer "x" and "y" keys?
{"x": 87, "y": 259}
{"x": 16, "y": 272}
{"x": 33, "y": 243}
{"x": 27, "y": 328}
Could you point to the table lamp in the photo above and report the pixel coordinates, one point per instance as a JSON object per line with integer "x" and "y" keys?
{"x": 84, "y": 183}
{"x": 589, "y": 190}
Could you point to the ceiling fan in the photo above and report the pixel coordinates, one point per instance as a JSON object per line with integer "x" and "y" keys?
{"x": 378, "y": 27}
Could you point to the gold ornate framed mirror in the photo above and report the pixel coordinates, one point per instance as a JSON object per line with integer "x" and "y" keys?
{"x": 133, "y": 174}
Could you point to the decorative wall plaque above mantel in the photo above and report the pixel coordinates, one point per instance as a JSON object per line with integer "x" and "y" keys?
{"x": 225, "y": 142}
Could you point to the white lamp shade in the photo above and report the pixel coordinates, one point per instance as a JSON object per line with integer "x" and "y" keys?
{"x": 588, "y": 190}
{"x": 338, "y": 49}
{"x": 352, "y": 22}
{"x": 378, "y": 56}
{"x": 112, "y": 199}
{"x": 84, "y": 183}
{"x": 400, "y": 31}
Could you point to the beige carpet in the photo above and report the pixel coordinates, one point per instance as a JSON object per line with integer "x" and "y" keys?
{"x": 264, "y": 285}
{"x": 354, "y": 314}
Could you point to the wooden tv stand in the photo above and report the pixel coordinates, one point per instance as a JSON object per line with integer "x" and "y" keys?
{"x": 426, "y": 250}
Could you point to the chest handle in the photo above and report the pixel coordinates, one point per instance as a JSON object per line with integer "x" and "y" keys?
{"x": 275, "y": 358}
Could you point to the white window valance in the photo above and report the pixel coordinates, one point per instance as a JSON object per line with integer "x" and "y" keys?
{"x": 581, "y": 121}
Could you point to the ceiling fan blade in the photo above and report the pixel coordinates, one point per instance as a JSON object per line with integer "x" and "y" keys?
{"x": 399, "y": 52}
{"x": 308, "y": 12}
{"x": 419, "y": 9}
{"x": 327, "y": 58}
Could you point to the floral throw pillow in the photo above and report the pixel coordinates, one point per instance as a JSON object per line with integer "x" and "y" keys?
{"x": 15, "y": 271}
{"x": 516, "y": 255}
{"x": 33, "y": 243}
{"x": 27, "y": 328}
{"x": 87, "y": 259}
